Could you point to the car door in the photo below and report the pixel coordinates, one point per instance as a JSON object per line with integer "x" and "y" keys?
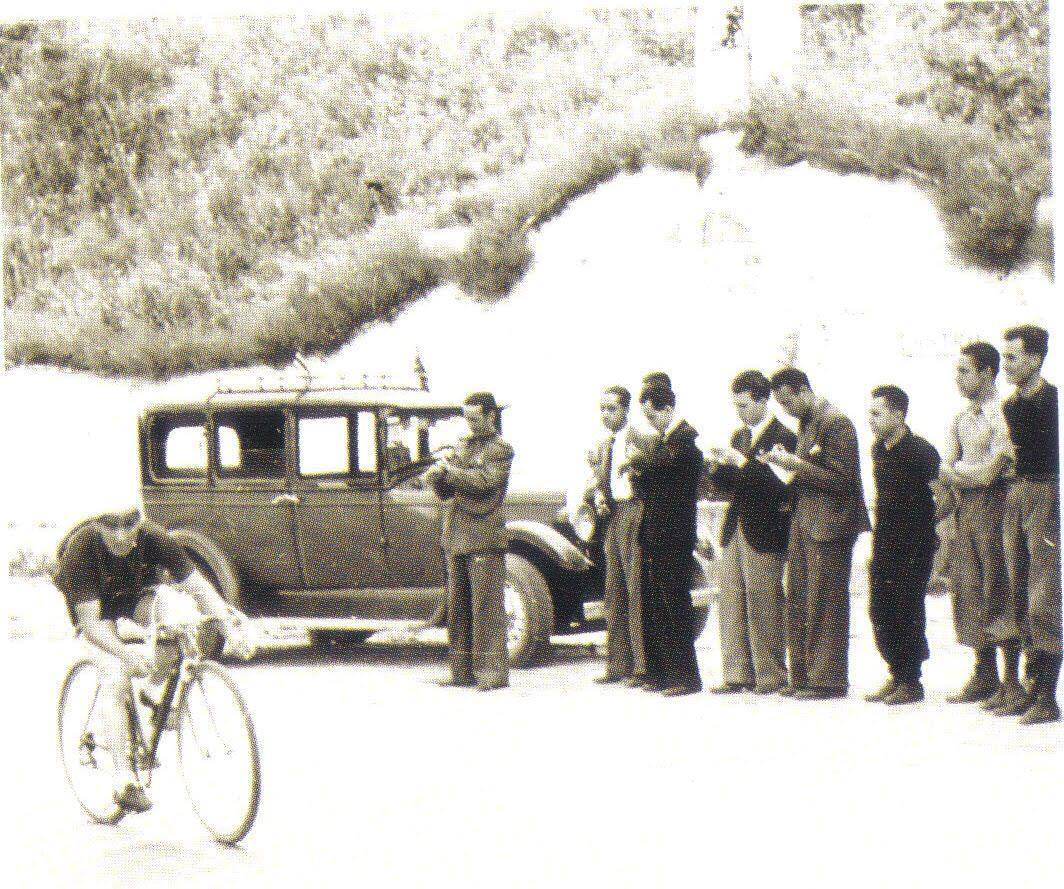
{"x": 251, "y": 514}
{"x": 338, "y": 514}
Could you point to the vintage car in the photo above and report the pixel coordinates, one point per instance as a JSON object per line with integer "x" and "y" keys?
{"x": 305, "y": 506}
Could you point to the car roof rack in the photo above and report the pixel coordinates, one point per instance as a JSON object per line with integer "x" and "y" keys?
{"x": 308, "y": 382}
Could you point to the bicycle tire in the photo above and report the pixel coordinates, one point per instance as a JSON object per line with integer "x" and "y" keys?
{"x": 194, "y": 730}
{"x": 91, "y": 786}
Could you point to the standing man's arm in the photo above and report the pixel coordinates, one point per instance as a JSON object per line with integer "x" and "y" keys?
{"x": 1002, "y": 454}
{"x": 837, "y": 465}
{"x": 485, "y": 479}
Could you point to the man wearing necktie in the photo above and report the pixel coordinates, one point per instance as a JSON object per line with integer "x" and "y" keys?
{"x": 754, "y": 536}
{"x": 611, "y": 496}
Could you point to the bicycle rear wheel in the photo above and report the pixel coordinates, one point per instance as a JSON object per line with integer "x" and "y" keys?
{"x": 83, "y": 738}
{"x": 218, "y": 753}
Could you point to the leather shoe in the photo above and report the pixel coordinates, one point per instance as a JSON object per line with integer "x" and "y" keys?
{"x": 606, "y": 679}
{"x": 996, "y": 701}
{"x": 1014, "y": 699}
{"x": 978, "y": 688}
{"x": 675, "y": 691}
{"x": 817, "y": 693}
{"x": 455, "y": 683}
{"x": 1044, "y": 709}
{"x": 491, "y": 686}
{"x": 132, "y": 798}
{"x": 635, "y": 681}
{"x": 768, "y": 688}
{"x": 905, "y": 693}
{"x": 729, "y": 688}
{"x": 791, "y": 689}
{"x": 884, "y": 691}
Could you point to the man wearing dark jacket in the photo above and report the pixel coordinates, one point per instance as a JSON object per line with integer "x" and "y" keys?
{"x": 667, "y": 477}
{"x": 754, "y": 539}
{"x": 903, "y": 545}
{"x": 829, "y": 514}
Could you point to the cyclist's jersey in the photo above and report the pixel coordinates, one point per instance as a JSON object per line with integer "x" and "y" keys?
{"x": 88, "y": 570}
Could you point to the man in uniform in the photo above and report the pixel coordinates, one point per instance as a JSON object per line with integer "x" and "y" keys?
{"x": 1032, "y": 517}
{"x": 472, "y": 483}
{"x": 105, "y": 569}
{"x": 829, "y": 514}
{"x": 903, "y": 545}
{"x": 977, "y": 456}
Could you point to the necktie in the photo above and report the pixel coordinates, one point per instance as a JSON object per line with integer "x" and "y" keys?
{"x": 745, "y": 441}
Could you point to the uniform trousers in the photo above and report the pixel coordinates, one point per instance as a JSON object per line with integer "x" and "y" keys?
{"x": 668, "y": 617}
{"x": 625, "y": 653}
{"x": 1032, "y": 555}
{"x": 983, "y": 610}
{"x": 818, "y": 610}
{"x": 751, "y": 614}
{"x": 897, "y": 609}
{"x": 476, "y": 617}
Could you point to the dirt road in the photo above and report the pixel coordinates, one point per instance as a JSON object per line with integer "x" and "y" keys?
{"x": 373, "y": 776}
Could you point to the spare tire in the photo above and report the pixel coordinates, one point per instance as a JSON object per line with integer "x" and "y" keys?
{"x": 529, "y": 611}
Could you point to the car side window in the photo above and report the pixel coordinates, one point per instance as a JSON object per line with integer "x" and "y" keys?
{"x": 178, "y": 447}
{"x": 250, "y": 444}
{"x": 337, "y": 446}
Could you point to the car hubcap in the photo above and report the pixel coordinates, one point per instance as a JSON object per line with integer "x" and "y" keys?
{"x": 516, "y": 618}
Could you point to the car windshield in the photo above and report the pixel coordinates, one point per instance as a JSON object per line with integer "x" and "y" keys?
{"x": 412, "y": 439}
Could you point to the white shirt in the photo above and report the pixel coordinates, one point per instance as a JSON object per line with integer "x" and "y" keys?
{"x": 757, "y": 431}
{"x": 620, "y": 483}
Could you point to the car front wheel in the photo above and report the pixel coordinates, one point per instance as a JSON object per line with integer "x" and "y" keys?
{"x": 529, "y": 611}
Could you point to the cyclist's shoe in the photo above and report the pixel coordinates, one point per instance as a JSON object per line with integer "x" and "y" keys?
{"x": 133, "y": 798}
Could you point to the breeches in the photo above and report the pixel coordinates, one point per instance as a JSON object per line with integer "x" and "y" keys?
{"x": 1032, "y": 556}
{"x": 983, "y": 611}
{"x": 897, "y": 610}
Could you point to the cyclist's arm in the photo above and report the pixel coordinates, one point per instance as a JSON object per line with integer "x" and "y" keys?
{"x": 206, "y": 597}
{"x": 103, "y": 634}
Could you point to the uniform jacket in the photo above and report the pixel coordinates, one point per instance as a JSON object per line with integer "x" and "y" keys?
{"x": 760, "y": 502}
{"x": 473, "y": 490}
{"x": 828, "y": 495}
{"x": 667, "y": 480}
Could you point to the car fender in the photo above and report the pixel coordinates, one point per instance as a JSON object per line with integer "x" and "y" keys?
{"x": 551, "y": 543}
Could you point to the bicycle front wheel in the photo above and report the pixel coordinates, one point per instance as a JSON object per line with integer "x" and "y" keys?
{"x": 88, "y": 761}
{"x": 218, "y": 753}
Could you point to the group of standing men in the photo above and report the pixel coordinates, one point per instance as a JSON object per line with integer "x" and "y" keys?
{"x": 795, "y": 510}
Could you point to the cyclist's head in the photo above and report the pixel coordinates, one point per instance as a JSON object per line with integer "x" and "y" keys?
{"x": 120, "y": 530}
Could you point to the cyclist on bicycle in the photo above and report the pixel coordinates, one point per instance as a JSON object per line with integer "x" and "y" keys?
{"x": 106, "y": 568}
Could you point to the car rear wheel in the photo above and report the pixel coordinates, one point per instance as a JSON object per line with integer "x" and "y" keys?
{"x": 529, "y": 611}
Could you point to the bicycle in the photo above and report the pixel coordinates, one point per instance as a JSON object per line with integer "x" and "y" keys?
{"x": 217, "y": 750}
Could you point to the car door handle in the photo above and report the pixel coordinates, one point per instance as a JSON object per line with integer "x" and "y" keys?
{"x": 281, "y": 499}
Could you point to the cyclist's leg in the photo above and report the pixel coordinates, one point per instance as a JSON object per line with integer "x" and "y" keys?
{"x": 115, "y": 691}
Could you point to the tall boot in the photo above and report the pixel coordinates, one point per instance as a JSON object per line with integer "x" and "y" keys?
{"x": 1045, "y": 707}
{"x": 984, "y": 679}
{"x": 1015, "y": 699}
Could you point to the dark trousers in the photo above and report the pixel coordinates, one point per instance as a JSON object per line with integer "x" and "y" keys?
{"x": 668, "y": 618}
{"x": 623, "y": 603}
{"x": 897, "y": 610}
{"x": 818, "y": 610}
{"x": 476, "y": 617}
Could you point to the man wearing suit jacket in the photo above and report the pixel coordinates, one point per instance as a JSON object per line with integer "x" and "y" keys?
{"x": 829, "y": 513}
{"x": 614, "y": 501}
{"x": 472, "y": 484}
{"x": 754, "y": 536}
{"x": 667, "y": 478}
